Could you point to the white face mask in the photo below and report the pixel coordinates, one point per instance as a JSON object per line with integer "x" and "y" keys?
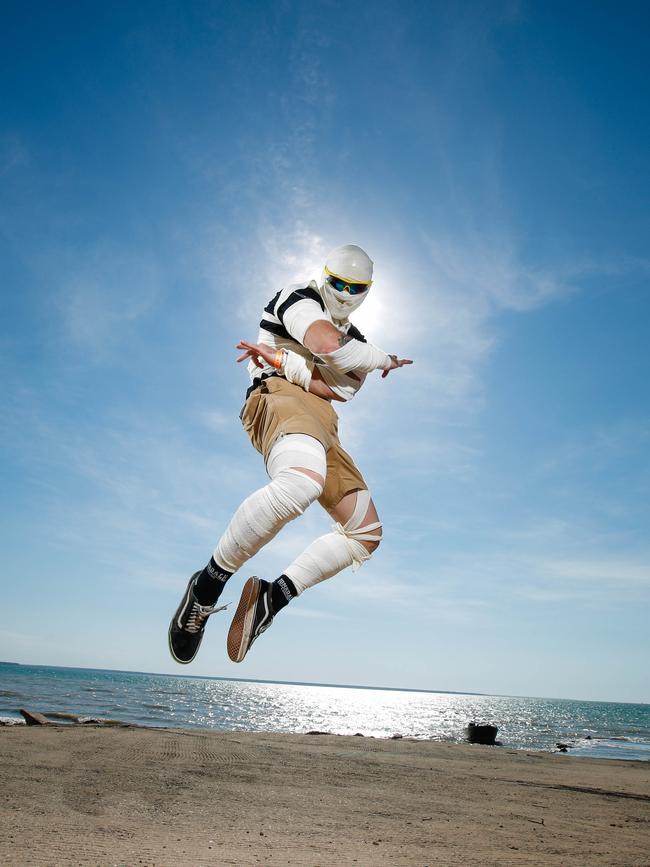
{"x": 340, "y": 304}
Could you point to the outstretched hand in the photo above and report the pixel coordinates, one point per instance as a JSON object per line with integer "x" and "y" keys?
{"x": 255, "y": 351}
{"x": 395, "y": 363}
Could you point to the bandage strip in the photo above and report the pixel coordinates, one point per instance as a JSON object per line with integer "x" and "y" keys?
{"x": 297, "y": 370}
{"x": 358, "y": 356}
{"x": 353, "y": 531}
{"x": 337, "y": 550}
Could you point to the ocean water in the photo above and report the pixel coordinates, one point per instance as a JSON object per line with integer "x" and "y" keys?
{"x": 598, "y": 729}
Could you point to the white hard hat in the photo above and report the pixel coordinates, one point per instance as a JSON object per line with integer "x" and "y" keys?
{"x": 346, "y": 280}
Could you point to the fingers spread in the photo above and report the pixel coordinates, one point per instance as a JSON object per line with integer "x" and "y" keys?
{"x": 252, "y": 351}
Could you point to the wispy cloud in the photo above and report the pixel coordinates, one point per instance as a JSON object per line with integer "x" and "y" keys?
{"x": 312, "y": 613}
{"x": 489, "y": 272}
{"x": 422, "y": 596}
{"x": 103, "y": 292}
{"x": 610, "y": 572}
{"x": 598, "y": 447}
{"x": 215, "y": 419}
{"x": 14, "y": 153}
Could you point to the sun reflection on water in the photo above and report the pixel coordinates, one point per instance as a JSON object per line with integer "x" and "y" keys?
{"x": 592, "y": 728}
{"x": 371, "y": 712}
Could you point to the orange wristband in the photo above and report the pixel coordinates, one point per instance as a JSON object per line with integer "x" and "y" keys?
{"x": 278, "y": 360}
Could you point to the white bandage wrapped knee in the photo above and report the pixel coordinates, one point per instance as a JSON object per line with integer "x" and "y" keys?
{"x": 335, "y": 551}
{"x": 357, "y": 356}
{"x": 265, "y": 512}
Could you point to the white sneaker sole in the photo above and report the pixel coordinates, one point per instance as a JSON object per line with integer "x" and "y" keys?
{"x": 241, "y": 628}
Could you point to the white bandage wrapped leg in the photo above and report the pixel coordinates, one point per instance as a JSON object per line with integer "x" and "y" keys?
{"x": 265, "y": 512}
{"x": 335, "y": 551}
{"x": 297, "y": 450}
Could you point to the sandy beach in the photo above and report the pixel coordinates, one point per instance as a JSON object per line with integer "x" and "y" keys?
{"x": 132, "y": 796}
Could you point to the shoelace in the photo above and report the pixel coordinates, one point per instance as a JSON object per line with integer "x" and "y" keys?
{"x": 199, "y": 614}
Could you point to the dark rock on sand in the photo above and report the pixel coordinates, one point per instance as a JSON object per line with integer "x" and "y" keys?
{"x": 481, "y": 734}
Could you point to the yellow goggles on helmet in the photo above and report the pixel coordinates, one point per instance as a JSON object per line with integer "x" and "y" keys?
{"x": 343, "y": 285}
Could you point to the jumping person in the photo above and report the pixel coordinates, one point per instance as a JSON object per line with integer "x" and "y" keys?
{"x": 308, "y": 354}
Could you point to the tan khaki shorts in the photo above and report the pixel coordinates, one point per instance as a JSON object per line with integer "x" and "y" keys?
{"x": 278, "y": 407}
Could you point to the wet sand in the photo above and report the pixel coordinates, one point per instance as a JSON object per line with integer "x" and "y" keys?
{"x": 89, "y": 795}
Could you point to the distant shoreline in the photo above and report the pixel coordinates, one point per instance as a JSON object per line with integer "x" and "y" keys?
{"x": 247, "y": 679}
{"x": 319, "y": 684}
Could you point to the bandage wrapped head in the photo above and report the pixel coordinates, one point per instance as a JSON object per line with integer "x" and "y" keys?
{"x": 346, "y": 280}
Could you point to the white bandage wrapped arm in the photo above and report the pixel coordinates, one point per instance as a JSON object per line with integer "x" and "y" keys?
{"x": 344, "y": 385}
{"x": 357, "y": 356}
{"x": 297, "y": 369}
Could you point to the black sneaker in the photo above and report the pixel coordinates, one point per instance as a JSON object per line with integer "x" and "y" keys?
{"x": 188, "y": 624}
{"x": 253, "y": 616}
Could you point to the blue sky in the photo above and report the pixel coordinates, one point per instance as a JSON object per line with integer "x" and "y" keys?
{"x": 165, "y": 168}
